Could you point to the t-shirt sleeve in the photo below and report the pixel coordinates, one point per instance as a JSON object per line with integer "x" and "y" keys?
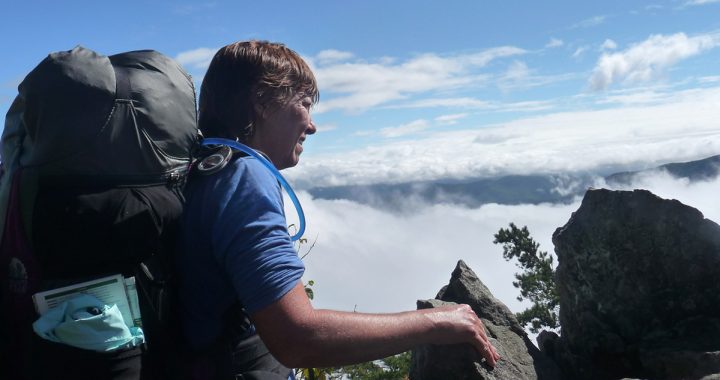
{"x": 251, "y": 241}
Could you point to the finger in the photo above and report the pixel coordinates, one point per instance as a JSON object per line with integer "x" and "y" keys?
{"x": 484, "y": 337}
{"x": 486, "y": 353}
{"x": 486, "y": 341}
{"x": 494, "y": 352}
{"x": 481, "y": 330}
{"x": 497, "y": 356}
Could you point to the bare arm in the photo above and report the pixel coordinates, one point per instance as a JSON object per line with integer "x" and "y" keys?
{"x": 300, "y": 336}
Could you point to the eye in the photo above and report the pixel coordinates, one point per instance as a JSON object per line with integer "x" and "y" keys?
{"x": 306, "y": 102}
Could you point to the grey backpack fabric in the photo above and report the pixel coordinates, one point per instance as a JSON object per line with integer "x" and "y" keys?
{"x": 126, "y": 119}
{"x": 96, "y": 150}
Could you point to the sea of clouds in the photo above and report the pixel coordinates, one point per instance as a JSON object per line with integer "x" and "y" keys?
{"x": 671, "y": 127}
{"x": 373, "y": 260}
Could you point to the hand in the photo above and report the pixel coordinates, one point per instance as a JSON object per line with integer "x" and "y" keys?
{"x": 459, "y": 324}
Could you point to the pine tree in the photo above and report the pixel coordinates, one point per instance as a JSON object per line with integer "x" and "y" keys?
{"x": 537, "y": 279}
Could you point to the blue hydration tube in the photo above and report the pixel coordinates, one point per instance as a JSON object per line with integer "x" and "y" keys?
{"x": 273, "y": 170}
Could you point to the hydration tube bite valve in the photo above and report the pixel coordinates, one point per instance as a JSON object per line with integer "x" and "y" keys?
{"x": 246, "y": 149}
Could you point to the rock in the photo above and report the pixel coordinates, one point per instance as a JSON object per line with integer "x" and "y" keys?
{"x": 639, "y": 293}
{"x": 466, "y": 288}
{"x": 520, "y": 358}
{"x": 547, "y": 341}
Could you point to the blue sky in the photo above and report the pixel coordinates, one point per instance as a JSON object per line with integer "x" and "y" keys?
{"x": 408, "y": 85}
{"x": 431, "y": 90}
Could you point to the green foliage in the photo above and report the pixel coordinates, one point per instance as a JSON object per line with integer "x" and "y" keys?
{"x": 308, "y": 289}
{"x": 315, "y": 374}
{"x": 537, "y": 279}
{"x": 391, "y": 368}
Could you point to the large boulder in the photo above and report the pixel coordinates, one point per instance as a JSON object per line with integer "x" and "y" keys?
{"x": 521, "y": 360}
{"x": 639, "y": 293}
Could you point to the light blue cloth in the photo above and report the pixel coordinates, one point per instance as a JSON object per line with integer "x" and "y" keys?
{"x": 73, "y": 323}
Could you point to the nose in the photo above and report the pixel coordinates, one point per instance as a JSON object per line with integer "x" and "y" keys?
{"x": 311, "y": 129}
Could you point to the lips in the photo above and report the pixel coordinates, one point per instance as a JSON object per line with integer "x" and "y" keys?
{"x": 301, "y": 140}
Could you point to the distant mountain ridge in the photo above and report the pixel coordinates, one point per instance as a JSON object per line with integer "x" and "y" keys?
{"x": 510, "y": 189}
{"x": 699, "y": 170}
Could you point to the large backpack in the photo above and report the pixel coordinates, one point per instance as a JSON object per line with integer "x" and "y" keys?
{"x": 95, "y": 152}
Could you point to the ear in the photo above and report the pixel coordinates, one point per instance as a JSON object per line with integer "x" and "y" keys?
{"x": 256, "y": 118}
{"x": 259, "y": 112}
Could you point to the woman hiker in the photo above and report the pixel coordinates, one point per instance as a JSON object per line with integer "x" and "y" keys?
{"x": 244, "y": 308}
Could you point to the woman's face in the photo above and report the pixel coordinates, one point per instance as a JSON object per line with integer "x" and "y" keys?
{"x": 282, "y": 130}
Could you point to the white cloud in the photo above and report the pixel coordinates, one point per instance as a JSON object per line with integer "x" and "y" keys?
{"x": 701, "y": 2}
{"x": 375, "y": 261}
{"x": 702, "y": 194}
{"x": 485, "y": 57}
{"x": 527, "y": 106}
{"x": 355, "y": 86}
{"x": 709, "y": 79}
{"x": 608, "y": 45}
{"x": 520, "y": 76}
{"x": 325, "y": 127}
{"x": 464, "y": 102}
{"x": 364, "y": 132}
{"x": 590, "y": 22}
{"x": 197, "y": 58}
{"x": 450, "y": 119}
{"x": 517, "y": 70}
{"x": 371, "y": 260}
{"x": 332, "y": 56}
{"x": 387, "y": 60}
{"x": 405, "y": 129}
{"x": 473, "y": 103}
{"x": 579, "y": 51}
{"x": 554, "y": 42}
{"x": 648, "y": 59}
{"x": 642, "y": 96}
{"x": 682, "y": 126}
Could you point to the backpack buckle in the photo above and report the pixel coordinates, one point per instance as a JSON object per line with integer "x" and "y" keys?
{"x": 216, "y": 161}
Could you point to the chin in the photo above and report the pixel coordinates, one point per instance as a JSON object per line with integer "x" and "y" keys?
{"x": 289, "y": 164}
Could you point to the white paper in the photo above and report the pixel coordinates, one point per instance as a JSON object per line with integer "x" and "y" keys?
{"x": 110, "y": 290}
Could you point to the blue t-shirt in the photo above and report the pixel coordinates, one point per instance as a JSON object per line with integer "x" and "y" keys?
{"x": 233, "y": 246}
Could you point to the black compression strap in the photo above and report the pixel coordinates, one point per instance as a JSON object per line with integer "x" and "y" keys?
{"x": 122, "y": 83}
